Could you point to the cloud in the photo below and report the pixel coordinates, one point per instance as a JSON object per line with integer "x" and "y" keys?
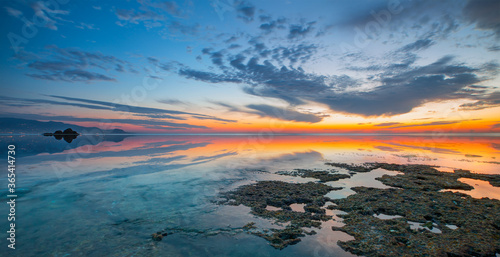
{"x": 170, "y": 7}
{"x": 294, "y": 54}
{"x": 149, "y": 123}
{"x": 300, "y": 31}
{"x": 495, "y": 126}
{"x": 73, "y": 65}
{"x": 420, "y": 44}
{"x": 264, "y": 110}
{"x": 387, "y": 148}
{"x": 31, "y": 102}
{"x": 387, "y": 124}
{"x": 489, "y": 101}
{"x": 73, "y": 76}
{"x": 84, "y": 25}
{"x": 172, "y": 102}
{"x": 270, "y": 25}
{"x": 494, "y": 48}
{"x": 167, "y": 17}
{"x": 484, "y": 13}
{"x": 207, "y": 76}
{"x": 245, "y": 10}
{"x": 391, "y": 21}
{"x": 132, "y": 16}
{"x": 434, "y": 123}
{"x": 184, "y": 29}
{"x": 228, "y": 106}
{"x": 156, "y": 117}
{"x": 216, "y": 57}
{"x": 399, "y": 91}
{"x": 148, "y": 111}
{"x": 45, "y": 13}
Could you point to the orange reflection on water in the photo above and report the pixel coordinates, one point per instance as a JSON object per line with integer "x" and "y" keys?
{"x": 478, "y": 154}
{"x": 481, "y": 189}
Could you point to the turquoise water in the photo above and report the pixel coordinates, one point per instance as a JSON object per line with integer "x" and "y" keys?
{"x": 105, "y": 196}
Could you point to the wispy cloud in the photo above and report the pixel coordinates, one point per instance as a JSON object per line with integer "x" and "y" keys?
{"x": 264, "y": 110}
{"x": 167, "y": 17}
{"x": 139, "y": 109}
{"x": 269, "y": 111}
{"x": 149, "y": 123}
{"x": 73, "y": 65}
{"x": 387, "y": 124}
{"x": 156, "y": 117}
{"x": 434, "y": 123}
{"x": 488, "y": 101}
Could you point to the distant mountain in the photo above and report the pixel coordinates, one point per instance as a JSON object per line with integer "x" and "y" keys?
{"x": 23, "y": 126}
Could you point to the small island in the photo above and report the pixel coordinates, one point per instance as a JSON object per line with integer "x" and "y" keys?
{"x": 68, "y": 134}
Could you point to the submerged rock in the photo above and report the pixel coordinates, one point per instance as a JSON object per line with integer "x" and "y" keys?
{"x": 158, "y": 236}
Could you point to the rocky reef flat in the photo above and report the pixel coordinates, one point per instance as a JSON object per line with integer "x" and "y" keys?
{"x": 415, "y": 216}
{"x": 280, "y": 195}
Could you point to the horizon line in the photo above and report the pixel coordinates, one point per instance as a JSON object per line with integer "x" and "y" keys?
{"x": 278, "y": 134}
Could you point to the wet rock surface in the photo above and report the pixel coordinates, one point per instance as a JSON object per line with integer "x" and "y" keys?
{"x": 419, "y": 199}
{"x": 281, "y": 194}
{"x": 352, "y": 167}
{"x": 477, "y": 220}
{"x": 452, "y": 224}
{"x": 322, "y": 175}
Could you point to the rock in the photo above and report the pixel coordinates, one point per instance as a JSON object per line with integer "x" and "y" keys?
{"x": 322, "y": 175}
{"x": 249, "y": 226}
{"x": 281, "y": 194}
{"x": 420, "y": 199}
{"x": 158, "y": 236}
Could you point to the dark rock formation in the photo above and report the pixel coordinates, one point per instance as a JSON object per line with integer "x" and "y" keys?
{"x": 68, "y": 134}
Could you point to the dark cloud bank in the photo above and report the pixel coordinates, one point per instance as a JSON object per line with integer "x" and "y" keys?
{"x": 399, "y": 92}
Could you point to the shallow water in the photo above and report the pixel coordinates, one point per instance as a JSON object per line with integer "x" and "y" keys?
{"x": 106, "y": 196}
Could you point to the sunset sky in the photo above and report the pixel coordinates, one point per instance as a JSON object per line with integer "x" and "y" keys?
{"x": 224, "y": 66}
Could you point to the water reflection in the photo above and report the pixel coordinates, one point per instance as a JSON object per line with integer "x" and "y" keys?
{"x": 108, "y": 194}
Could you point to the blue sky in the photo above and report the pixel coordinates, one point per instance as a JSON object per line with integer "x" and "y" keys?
{"x": 225, "y": 65}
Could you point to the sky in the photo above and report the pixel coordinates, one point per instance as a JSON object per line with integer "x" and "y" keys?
{"x": 232, "y": 66}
